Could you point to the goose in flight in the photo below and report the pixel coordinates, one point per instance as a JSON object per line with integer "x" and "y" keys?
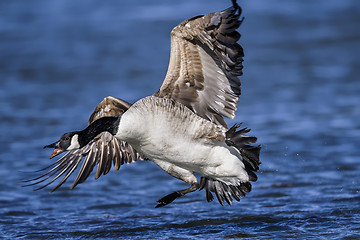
{"x": 181, "y": 128}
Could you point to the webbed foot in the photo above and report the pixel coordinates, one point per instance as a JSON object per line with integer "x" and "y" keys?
{"x": 172, "y": 196}
{"x": 168, "y": 199}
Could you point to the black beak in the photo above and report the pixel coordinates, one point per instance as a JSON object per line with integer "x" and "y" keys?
{"x": 53, "y": 145}
{"x": 57, "y": 149}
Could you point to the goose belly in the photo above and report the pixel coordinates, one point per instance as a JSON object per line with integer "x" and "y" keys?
{"x": 163, "y": 131}
{"x": 216, "y": 161}
{"x": 189, "y": 155}
{"x": 212, "y": 159}
{"x": 163, "y": 142}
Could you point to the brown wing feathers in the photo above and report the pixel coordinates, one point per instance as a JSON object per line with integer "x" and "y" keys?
{"x": 205, "y": 63}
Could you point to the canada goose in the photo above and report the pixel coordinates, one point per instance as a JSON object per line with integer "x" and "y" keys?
{"x": 181, "y": 127}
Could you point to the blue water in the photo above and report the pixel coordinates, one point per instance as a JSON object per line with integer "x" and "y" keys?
{"x": 301, "y": 97}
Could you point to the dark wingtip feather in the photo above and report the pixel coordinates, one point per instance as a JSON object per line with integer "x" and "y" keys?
{"x": 235, "y": 5}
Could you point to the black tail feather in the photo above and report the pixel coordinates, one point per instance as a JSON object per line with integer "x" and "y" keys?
{"x": 223, "y": 192}
{"x": 242, "y": 142}
{"x": 250, "y": 156}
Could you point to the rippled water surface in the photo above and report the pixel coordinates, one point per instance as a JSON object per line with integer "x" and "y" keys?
{"x": 301, "y": 97}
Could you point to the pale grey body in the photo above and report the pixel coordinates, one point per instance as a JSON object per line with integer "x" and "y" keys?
{"x": 180, "y": 142}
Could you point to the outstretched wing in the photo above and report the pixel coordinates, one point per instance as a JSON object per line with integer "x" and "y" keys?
{"x": 205, "y": 63}
{"x": 103, "y": 151}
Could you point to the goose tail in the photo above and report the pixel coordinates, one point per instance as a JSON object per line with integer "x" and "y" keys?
{"x": 226, "y": 192}
{"x": 242, "y": 142}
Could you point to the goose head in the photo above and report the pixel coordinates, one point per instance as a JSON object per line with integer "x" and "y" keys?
{"x": 67, "y": 141}
{"x": 78, "y": 139}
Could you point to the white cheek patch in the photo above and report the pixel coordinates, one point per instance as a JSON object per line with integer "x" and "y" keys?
{"x": 74, "y": 143}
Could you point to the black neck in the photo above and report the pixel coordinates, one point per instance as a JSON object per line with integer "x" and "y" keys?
{"x": 104, "y": 124}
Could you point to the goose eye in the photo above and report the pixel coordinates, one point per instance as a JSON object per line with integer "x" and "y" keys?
{"x": 67, "y": 138}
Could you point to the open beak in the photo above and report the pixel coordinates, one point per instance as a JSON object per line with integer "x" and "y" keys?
{"x": 56, "y": 151}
